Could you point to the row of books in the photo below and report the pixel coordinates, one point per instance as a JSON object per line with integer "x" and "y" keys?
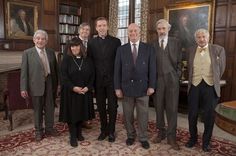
{"x": 70, "y": 19}
{"x": 65, "y": 38}
{"x": 66, "y": 9}
{"x": 68, "y": 29}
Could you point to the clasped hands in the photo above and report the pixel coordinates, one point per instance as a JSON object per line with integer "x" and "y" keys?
{"x": 80, "y": 90}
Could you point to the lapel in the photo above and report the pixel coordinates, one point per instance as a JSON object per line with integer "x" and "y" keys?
{"x": 37, "y": 57}
{"x": 140, "y": 53}
{"x": 192, "y": 55}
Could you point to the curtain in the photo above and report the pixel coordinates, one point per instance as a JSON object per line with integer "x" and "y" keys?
{"x": 113, "y": 17}
{"x": 143, "y": 20}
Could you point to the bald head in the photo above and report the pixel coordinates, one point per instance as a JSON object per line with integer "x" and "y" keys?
{"x": 133, "y": 32}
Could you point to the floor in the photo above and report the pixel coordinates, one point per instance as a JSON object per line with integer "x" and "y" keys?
{"x": 182, "y": 122}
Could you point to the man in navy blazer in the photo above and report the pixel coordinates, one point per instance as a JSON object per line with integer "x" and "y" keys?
{"x": 206, "y": 65}
{"x": 135, "y": 81}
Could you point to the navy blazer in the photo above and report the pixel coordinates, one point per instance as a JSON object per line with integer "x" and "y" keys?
{"x": 134, "y": 80}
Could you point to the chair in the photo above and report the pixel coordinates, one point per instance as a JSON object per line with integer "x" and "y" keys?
{"x": 12, "y": 98}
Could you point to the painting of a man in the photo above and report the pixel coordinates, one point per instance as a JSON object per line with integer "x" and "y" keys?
{"x": 20, "y": 25}
{"x": 185, "y": 21}
{"x": 22, "y": 19}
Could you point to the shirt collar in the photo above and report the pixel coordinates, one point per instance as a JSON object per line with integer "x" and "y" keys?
{"x": 39, "y": 50}
{"x": 206, "y": 46}
{"x": 137, "y": 43}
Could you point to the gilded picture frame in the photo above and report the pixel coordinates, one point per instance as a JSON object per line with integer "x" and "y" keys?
{"x": 21, "y": 19}
{"x": 186, "y": 18}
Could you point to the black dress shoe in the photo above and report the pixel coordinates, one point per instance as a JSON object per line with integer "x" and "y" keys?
{"x": 73, "y": 142}
{"x": 80, "y": 138}
{"x": 190, "y": 143}
{"x": 102, "y": 136}
{"x": 111, "y": 137}
{"x": 206, "y": 148}
{"x": 145, "y": 144}
{"x": 129, "y": 141}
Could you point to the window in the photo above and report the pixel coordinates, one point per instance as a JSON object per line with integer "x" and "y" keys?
{"x": 127, "y": 8}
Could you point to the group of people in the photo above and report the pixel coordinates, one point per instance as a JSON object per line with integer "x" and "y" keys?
{"x": 132, "y": 72}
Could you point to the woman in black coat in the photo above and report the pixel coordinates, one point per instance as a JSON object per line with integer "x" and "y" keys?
{"x": 77, "y": 77}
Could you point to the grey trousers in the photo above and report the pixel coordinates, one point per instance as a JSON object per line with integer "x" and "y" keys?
{"x": 44, "y": 105}
{"x": 141, "y": 104}
{"x": 166, "y": 98}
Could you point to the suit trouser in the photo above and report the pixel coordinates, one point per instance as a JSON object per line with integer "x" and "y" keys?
{"x": 44, "y": 104}
{"x": 102, "y": 93}
{"x": 166, "y": 98}
{"x": 141, "y": 104}
{"x": 205, "y": 96}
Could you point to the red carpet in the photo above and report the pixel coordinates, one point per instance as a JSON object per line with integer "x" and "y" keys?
{"x": 22, "y": 143}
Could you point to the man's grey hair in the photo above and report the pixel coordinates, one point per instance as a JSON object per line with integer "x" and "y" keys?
{"x": 201, "y": 30}
{"x": 84, "y": 24}
{"x": 163, "y": 21}
{"x": 40, "y": 31}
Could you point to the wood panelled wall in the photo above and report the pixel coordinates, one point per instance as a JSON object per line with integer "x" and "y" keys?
{"x": 224, "y": 35}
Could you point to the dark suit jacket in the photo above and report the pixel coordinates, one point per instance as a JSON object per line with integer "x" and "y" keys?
{"x": 175, "y": 54}
{"x": 218, "y": 62}
{"x": 103, "y": 56}
{"x": 134, "y": 80}
{"x": 32, "y": 72}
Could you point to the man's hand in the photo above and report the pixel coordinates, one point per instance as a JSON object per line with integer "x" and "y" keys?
{"x": 150, "y": 91}
{"x": 119, "y": 93}
{"x": 24, "y": 94}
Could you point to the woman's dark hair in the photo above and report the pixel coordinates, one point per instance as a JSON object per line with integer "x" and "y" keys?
{"x": 76, "y": 42}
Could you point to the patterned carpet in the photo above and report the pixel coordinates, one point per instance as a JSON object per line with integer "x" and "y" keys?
{"x": 22, "y": 142}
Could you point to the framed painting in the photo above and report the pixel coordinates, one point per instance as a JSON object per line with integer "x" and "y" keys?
{"x": 186, "y": 18}
{"x": 21, "y": 19}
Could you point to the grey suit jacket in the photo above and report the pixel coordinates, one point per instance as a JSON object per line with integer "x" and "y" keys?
{"x": 32, "y": 72}
{"x": 175, "y": 54}
{"x": 134, "y": 80}
{"x": 218, "y": 62}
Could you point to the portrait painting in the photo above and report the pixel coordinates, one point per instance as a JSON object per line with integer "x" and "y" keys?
{"x": 186, "y": 19}
{"x": 21, "y": 19}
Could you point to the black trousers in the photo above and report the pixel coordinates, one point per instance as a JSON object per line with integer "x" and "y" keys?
{"x": 203, "y": 96}
{"x": 110, "y": 108}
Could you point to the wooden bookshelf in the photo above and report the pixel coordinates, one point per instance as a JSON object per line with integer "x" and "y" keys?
{"x": 69, "y": 21}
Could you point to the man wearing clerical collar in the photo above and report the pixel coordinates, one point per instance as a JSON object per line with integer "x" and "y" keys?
{"x": 102, "y": 50}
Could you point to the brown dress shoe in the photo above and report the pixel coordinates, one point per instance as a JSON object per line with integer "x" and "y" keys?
{"x": 173, "y": 144}
{"x": 159, "y": 138}
{"x": 52, "y": 132}
{"x": 38, "y": 137}
{"x": 86, "y": 125}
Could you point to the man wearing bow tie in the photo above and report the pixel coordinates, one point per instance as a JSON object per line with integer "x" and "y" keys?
{"x": 206, "y": 65}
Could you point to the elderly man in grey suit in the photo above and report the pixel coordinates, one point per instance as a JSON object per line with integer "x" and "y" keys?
{"x": 39, "y": 79}
{"x": 167, "y": 92}
{"x": 206, "y": 65}
{"x": 135, "y": 81}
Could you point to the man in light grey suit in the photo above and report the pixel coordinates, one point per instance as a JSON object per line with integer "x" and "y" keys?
{"x": 206, "y": 65}
{"x": 135, "y": 81}
{"x": 167, "y": 92}
{"x": 39, "y": 79}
